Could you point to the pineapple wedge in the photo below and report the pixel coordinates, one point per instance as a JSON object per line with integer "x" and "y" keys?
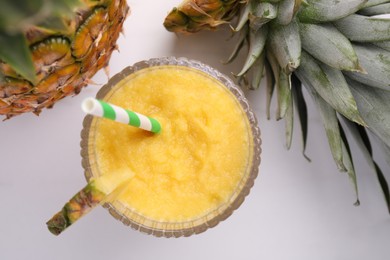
{"x": 98, "y": 191}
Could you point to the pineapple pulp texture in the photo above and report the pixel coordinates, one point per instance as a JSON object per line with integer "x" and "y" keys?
{"x": 195, "y": 164}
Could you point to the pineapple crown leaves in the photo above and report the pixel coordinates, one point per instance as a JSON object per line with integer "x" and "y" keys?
{"x": 16, "y": 17}
{"x": 339, "y": 50}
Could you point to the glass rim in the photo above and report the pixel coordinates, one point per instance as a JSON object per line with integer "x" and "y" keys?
{"x": 254, "y": 128}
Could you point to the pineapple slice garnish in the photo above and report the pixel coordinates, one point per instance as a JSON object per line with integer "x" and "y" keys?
{"x": 98, "y": 191}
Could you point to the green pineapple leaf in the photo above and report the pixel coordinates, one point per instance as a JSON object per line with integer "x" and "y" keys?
{"x": 373, "y": 104}
{"x": 16, "y": 16}
{"x": 301, "y": 107}
{"x": 384, "y": 185}
{"x": 384, "y": 45}
{"x": 319, "y": 39}
{"x": 240, "y": 43}
{"x": 258, "y": 71}
{"x": 2, "y": 76}
{"x": 374, "y": 2}
{"x": 329, "y": 119}
{"x": 337, "y": 141}
{"x": 283, "y": 90}
{"x": 55, "y": 25}
{"x": 261, "y": 13}
{"x": 330, "y": 84}
{"x": 376, "y": 10}
{"x": 14, "y": 13}
{"x": 348, "y": 163}
{"x": 325, "y": 10}
{"x": 286, "y": 11}
{"x": 360, "y": 136}
{"x": 65, "y": 7}
{"x": 256, "y": 45}
{"x": 376, "y": 62}
{"x": 20, "y": 57}
{"x": 370, "y": 29}
{"x": 270, "y": 84}
{"x": 286, "y": 45}
{"x": 386, "y": 151}
{"x": 243, "y": 17}
{"x": 289, "y": 122}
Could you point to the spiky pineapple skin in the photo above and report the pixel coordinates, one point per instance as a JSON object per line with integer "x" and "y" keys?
{"x": 79, "y": 205}
{"x": 64, "y": 63}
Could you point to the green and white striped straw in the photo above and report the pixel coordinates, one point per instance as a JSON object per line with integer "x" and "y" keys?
{"x": 99, "y": 108}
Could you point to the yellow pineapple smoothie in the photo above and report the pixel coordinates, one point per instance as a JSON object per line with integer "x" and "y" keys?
{"x": 195, "y": 168}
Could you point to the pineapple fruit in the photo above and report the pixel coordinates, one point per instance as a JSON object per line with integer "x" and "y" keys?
{"x": 338, "y": 50}
{"x": 50, "y": 49}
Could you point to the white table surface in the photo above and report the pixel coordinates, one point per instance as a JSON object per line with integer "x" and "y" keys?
{"x": 296, "y": 210}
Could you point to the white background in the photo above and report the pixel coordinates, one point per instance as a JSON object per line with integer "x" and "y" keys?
{"x": 296, "y": 210}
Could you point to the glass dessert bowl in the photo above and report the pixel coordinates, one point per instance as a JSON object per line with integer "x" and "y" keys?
{"x": 193, "y": 174}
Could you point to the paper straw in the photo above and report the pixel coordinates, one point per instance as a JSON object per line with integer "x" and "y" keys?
{"x": 102, "y": 109}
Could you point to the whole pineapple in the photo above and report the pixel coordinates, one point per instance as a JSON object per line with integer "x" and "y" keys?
{"x": 338, "y": 50}
{"x": 50, "y": 49}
